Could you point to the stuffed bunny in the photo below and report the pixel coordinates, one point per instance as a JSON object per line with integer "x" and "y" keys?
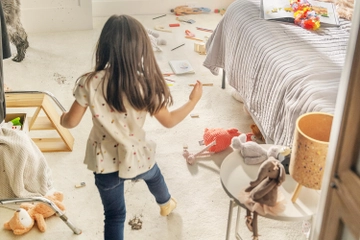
{"x": 262, "y": 194}
{"x": 264, "y": 189}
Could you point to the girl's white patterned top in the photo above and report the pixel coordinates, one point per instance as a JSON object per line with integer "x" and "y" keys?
{"x": 117, "y": 141}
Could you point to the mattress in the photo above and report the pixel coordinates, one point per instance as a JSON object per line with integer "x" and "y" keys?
{"x": 280, "y": 70}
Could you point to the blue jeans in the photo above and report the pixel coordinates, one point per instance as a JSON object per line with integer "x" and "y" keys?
{"x": 111, "y": 189}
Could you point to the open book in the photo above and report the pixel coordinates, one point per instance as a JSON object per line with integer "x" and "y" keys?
{"x": 281, "y": 10}
{"x": 181, "y": 67}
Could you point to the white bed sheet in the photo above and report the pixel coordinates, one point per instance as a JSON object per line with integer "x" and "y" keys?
{"x": 280, "y": 70}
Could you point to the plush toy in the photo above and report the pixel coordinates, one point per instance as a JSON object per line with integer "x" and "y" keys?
{"x": 257, "y": 136}
{"x": 262, "y": 197}
{"x": 253, "y": 153}
{"x": 155, "y": 41}
{"x": 185, "y": 10}
{"x": 215, "y": 139}
{"x": 38, "y": 212}
{"x": 20, "y": 223}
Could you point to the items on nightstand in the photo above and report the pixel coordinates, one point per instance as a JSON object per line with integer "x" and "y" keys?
{"x": 261, "y": 197}
{"x": 235, "y": 176}
{"x": 309, "y": 151}
{"x": 253, "y": 153}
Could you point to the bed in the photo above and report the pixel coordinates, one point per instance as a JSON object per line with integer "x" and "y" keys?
{"x": 279, "y": 69}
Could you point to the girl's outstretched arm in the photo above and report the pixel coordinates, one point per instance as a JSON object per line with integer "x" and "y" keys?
{"x": 170, "y": 119}
{"x": 73, "y": 117}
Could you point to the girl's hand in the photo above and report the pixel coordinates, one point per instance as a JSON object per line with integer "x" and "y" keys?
{"x": 196, "y": 93}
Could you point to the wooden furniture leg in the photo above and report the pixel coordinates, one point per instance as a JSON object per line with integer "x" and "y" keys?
{"x": 296, "y": 193}
{"x": 255, "y": 226}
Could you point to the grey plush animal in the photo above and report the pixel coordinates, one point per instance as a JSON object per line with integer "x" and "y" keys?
{"x": 253, "y": 153}
{"x": 17, "y": 34}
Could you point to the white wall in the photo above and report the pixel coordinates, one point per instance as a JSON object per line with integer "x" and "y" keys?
{"x": 56, "y": 15}
{"x": 108, "y": 7}
{"x": 69, "y": 15}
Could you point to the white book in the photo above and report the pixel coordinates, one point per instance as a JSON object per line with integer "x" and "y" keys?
{"x": 280, "y": 10}
{"x": 181, "y": 67}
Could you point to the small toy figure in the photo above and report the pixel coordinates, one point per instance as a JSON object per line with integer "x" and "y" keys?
{"x": 185, "y": 10}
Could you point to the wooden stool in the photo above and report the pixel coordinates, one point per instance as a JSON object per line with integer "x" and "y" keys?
{"x": 42, "y": 101}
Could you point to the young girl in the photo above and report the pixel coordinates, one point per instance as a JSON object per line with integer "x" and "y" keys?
{"x": 124, "y": 87}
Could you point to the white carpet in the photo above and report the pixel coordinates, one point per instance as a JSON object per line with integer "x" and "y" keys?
{"x": 55, "y": 60}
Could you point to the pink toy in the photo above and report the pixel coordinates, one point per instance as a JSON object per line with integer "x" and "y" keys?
{"x": 215, "y": 139}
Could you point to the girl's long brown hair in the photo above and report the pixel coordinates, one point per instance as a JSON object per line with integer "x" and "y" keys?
{"x": 125, "y": 52}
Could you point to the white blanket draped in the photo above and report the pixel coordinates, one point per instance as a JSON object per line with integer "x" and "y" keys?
{"x": 23, "y": 168}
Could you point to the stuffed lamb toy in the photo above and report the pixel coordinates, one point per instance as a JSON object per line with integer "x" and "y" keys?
{"x": 253, "y": 153}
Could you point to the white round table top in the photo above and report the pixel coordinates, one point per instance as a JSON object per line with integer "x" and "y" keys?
{"x": 236, "y": 176}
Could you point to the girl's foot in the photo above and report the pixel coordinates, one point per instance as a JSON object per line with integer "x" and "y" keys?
{"x": 168, "y": 207}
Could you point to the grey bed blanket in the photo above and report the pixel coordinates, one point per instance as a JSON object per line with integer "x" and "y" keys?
{"x": 23, "y": 168}
{"x": 280, "y": 70}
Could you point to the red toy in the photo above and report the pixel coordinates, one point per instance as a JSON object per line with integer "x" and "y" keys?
{"x": 222, "y": 138}
{"x": 215, "y": 139}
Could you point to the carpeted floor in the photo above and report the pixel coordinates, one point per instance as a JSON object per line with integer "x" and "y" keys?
{"x": 55, "y": 60}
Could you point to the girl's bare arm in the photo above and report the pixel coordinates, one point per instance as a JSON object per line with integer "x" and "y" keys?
{"x": 170, "y": 119}
{"x": 73, "y": 117}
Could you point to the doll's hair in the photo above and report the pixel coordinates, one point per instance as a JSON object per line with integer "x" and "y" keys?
{"x": 124, "y": 50}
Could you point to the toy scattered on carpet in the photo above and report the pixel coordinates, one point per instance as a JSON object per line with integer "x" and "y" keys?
{"x": 26, "y": 216}
{"x": 135, "y": 223}
{"x": 183, "y": 19}
{"x": 215, "y": 139}
{"x": 221, "y": 11}
{"x": 253, "y": 153}
{"x": 262, "y": 196}
{"x": 155, "y": 40}
{"x": 20, "y": 223}
{"x": 185, "y": 10}
{"x": 257, "y": 137}
{"x": 200, "y": 48}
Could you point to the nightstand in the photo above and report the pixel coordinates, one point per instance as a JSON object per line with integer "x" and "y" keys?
{"x": 235, "y": 175}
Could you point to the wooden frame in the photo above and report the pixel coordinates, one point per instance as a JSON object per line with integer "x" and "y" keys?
{"x": 42, "y": 102}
